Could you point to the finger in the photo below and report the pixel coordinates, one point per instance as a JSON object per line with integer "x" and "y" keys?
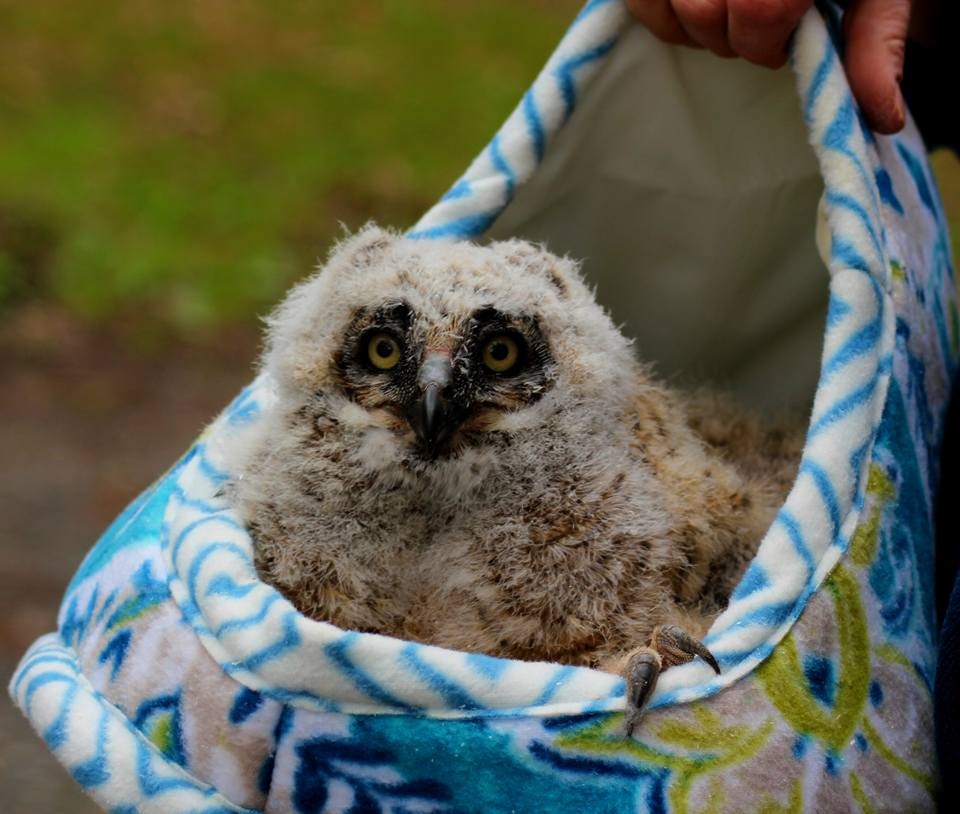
{"x": 758, "y": 30}
{"x": 706, "y": 23}
{"x": 876, "y": 32}
{"x": 658, "y": 16}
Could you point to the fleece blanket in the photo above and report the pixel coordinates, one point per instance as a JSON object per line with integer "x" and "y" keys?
{"x": 178, "y": 682}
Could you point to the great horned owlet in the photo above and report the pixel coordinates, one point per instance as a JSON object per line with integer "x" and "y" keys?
{"x": 465, "y": 451}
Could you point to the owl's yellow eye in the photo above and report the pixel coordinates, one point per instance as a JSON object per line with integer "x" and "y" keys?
{"x": 501, "y": 353}
{"x": 383, "y": 351}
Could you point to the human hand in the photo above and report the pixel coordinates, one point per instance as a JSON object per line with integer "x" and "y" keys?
{"x": 759, "y": 30}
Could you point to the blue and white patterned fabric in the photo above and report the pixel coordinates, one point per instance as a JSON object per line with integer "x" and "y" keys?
{"x": 177, "y": 681}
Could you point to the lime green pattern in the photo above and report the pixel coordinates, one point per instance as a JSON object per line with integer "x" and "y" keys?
{"x": 161, "y": 734}
{"x": 859, "y": 795}
{"x": 782, "y": 676}
{"x": 889, "y": 653}
{"x": 863, "y": 547}
{"x": 793, "y": 806}
{"x": 925, "y": 779}
{"x": 704, "y": 745}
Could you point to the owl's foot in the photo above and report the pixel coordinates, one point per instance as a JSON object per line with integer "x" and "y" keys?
{"x": 669, "y": 645}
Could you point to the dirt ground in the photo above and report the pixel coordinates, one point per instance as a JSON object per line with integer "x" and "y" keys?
{"x": 86, "y": 422}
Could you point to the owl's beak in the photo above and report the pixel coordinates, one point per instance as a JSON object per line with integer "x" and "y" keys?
{"x": 432, "y": 417}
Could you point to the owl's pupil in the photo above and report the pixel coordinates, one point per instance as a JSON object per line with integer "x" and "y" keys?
{"x": 384, "y": 348}
{"x": 499, "y": 351}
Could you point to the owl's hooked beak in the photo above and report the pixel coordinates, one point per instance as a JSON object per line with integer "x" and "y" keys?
{"x": 432, "y": 417}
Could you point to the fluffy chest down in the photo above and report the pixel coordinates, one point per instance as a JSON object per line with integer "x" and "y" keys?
{"x": 523, "y": 549}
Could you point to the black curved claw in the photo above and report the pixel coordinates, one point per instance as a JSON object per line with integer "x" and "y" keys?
{"x": 677, "y": 647}
{"x": 641, "y": 674}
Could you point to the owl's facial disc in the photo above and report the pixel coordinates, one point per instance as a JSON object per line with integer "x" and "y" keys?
{"x": 447, "y": 380}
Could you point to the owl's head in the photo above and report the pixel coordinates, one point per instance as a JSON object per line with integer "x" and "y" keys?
{"x": 437, "y": 348}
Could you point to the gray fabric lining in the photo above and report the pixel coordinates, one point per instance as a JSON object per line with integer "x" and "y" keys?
{"x": 686, "y": 185}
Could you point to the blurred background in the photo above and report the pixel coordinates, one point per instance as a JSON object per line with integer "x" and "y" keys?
{"x": 167, "y": 169}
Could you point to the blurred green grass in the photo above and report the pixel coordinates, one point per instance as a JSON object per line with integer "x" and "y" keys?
{"x": 184, "y": 161}
{"x": 187, "y": 160}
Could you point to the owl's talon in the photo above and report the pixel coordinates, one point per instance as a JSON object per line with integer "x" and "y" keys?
{"x": 642, "y": 671}
{"x": 676, "y": 646}
{"x": 669, "y": 645}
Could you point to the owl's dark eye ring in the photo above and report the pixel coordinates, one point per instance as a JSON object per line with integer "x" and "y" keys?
{"x": 502, "y": 353}
{"x": 383, "y": 351}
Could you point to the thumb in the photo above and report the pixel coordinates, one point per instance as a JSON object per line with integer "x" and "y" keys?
{"x": 876, "y": 33}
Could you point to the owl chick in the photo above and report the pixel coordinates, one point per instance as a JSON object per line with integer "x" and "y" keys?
{"x": 465, "y": 451}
